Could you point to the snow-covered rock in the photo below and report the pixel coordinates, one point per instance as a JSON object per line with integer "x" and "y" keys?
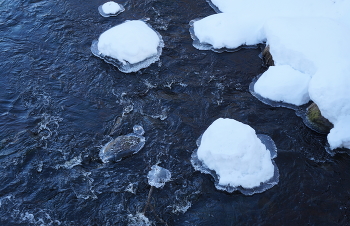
{"x": 309, "y": 36}
{"x": 283, "y": 83}
{"x": 237, "y": 159}
{"x": 130, "y": 46}
{"x": 110, "y": 9}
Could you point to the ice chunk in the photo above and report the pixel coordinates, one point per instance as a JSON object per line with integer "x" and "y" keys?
{"x": 110, "y": 9}
{"x": 130, "y": 46}
{"x": 234, "y": 155}
{"x": 158, "y": 176}
{"x": 138, "y": 219}
{"x": 123, "y": 146}
{"x": 283, "y": 83}
{"x": 138, "y": 130}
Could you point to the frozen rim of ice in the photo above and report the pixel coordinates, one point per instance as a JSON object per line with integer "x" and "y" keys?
{"x": 206, "y": 46}
{"x": 271, "y": 102}
{"x": 158, "y": 176}
{"x": 123, "y": 146}
{"x": 270, "y": 145}
{"x": 116, "y": 11}
{"x": 128, "y": 67}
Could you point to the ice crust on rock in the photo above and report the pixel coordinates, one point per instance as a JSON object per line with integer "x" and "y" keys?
{"x": 123, "y": 146}
{"x": 158, "y": 176}
{"x": 236, "y": 157}
{"x": 130, "y": 46}
{"x": 110, "y": 9}
{"x": 310, "y": 36}
{"x": 283, "y": 83}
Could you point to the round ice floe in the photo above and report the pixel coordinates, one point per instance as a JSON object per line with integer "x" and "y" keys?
{"x": 158, "y": 176}
{"x": 130, "y": 46}
{"x": 110, "y": 9}
{"x": 123, "y": 146}
{"x": 234, "y": 155}
{"x": 284, "y": 84}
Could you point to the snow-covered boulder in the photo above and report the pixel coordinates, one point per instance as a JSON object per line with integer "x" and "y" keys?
{"x": 284, "y": 84}
{"x": 130, "y": 46}
{"x": 234, "y": 155}
{"x": 110, "y": 9}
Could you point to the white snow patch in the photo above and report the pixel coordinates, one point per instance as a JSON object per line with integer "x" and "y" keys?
{"x": 111, "y": 7}
{"x": 133, "y": 44}
{"x": 283, "y": 83}
{"x": 238, "y": 157}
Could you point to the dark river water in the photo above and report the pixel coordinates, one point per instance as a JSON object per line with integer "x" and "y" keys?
{"x": 59, "y": 105}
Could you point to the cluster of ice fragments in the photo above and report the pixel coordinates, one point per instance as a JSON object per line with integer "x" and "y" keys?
{"x": 158, "y": 176}
{"x": 308, "y": 41}
{"x": 129, "y": 46}
{"x": 236, "y": 157}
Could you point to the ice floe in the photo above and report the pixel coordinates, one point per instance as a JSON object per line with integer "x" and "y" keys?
{"x": 130, "y": 46}
{"x": 236, "y": 157}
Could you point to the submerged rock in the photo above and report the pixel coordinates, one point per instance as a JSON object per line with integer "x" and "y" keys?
{"x": 316, "y": 121}
{"x": 123, "y": 146}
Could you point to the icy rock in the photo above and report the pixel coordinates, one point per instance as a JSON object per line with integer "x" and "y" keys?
{"x": 110, "y": 9}
{"x": 236, "y": 157}
{"x": 158, "y": 176}
{"x": 123, "y": 146}
{"x": 130, "y": 46}
{"x": 138, "y": 219}
{"x": 283, "y": 83}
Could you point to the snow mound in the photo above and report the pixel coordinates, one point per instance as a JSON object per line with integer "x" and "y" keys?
{"x": 130, "y": 46}
{"x": 222, "y": 31}
{"x": 234, "y": 155}
{"x": 308, "y": 36}
{"x": 284, "y": 84}
{"x": 123, "y": 146}
{"x": 158, "y": 176}
{"x": 110, "y": 9}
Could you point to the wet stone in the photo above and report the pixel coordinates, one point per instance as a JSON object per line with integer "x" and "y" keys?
{"x": 123, "y": 146}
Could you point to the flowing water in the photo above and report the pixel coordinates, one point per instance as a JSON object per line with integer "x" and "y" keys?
{"x": 59, "y": 105}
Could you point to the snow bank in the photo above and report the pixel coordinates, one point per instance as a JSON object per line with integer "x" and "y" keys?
{"x": 110, "y": 9}
{"x": 130, "y": 46}
{"x": 237, "y": 159}
{"x": 308, "y": 36}
{"x": 283, "y": 83}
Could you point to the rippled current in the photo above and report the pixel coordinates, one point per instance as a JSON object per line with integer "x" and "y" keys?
{"x": 59, "y": 105}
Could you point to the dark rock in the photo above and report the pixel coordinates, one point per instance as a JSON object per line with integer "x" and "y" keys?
{"x": 316, "y": 121}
